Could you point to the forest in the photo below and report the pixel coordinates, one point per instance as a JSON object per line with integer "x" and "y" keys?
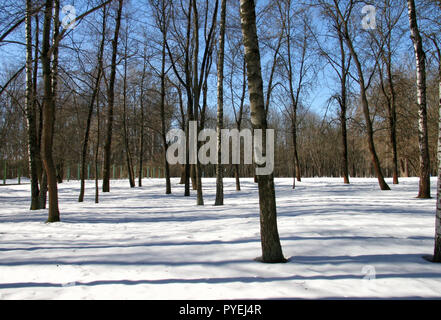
{"x": 91, "y": 89}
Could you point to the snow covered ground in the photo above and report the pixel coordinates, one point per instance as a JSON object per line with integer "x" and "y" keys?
{"x": 343, "y": 241}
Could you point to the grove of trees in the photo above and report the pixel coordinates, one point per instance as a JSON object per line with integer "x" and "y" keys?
{"x": 90, "y": 88}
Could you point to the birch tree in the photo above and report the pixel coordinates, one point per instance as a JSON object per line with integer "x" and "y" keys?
{"x": 423, "y": 140}
{"x": 270, "y": 241}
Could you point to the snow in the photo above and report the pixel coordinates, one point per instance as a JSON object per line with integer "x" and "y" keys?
{"x": 341, "y": 240}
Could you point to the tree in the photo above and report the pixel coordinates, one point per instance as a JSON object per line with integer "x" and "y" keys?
{"x": 220, "y": 106}
{"x": 340, "y": 63}
{"x": 386, "y": 30}
{"x": 162, "y": 18}
{"x": 184, "y": 43}
{"x": 49, "y": 115}
{"x": 199, "y": 79}
{"x": 296, "y": 84}
{"x": 127, "y": 149}
{"x": 95, "y": 90}
{"x": 364, "y": 85}
{"x": 142, "y": 107}
{"x": 31, "y": 112}
{"x": 437, "y": 254}
{"x": 270, "y": 241}
{"x": 111, "y": 101}
{"x": 423, "y": 141}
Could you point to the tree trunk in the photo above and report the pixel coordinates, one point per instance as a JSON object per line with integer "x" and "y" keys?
{"x": 220, "y": 108}
{"x": 344, "y": 138}
{"x": 162, "y": 109}
{"x": 49, "y": 117}
{"x": 270, "y": 241}
{"x": 296, "y": 167}
{"x": 423, "y": 141}
{"x": 141, "y": 135}
{"x": 97, "y": 149}
{"x": 365, "y": 106}
{"x": 343, "y": 108}
{"x": 110, "y": 101}
{"x": 437, "y": 252}
{"x": 237, "y": 176}
{"x": 126, "y": 135}
{"x": 31, "y": 113}
{"x": 90, "y": 113}
{"x": 393, "y": 122}
{"x": 42, "y": 197}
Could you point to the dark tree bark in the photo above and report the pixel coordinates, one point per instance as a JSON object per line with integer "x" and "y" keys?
{"x": 364, "y": 100}
{"x": 423, "y": 140}
{"x": 110, "y": 101}
{"x": 125, "y": 130}
{"x": 220, "y": 107}
{"x": 437, "y": 250}
{"x": 33, "y": 148}
{"x": 343, "y": 102}
{"x": 295, "y": 94}
{"x": 141, "y": 134}
{"x": 164, "y": 27}
{"x": 271, "y": 248}
{"x": 97, "y": 149}
{"x": 239, "y": 114}
{"x": 187, "y": 84}
{"x": 49, "y": 117}
{"x": 90, "y": 112}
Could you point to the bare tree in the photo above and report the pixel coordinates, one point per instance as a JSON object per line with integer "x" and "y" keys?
{"x": 423, "y": 141}
{"x": 31, "y": 112}
{"x": 271, "y": 248}
{"x": 344, "y": 17}
{"x": 49, "y": 115}
{"x": 111, "y": 101}
{"x": 220, "y": 105}
{"x": 93, "y": 98}
{"x": 437, "y": 254}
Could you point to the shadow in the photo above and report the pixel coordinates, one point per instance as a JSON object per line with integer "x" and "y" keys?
{"x": 362, "y": 259}
{"x": 216, "y": 280}
{"x": 86, "y": 246}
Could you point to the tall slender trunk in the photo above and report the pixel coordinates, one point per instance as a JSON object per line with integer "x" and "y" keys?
{"x": 181, "y": 108}
{"x": 49, "y": 117}
{"x": 344, "y": 141}
{"x": 196, "y": 99}
{"x": 390, "y": 96}
{"x": 38, "y": 159}
{"x": 141, "y": 135}
{"x": 365, "y": 105}
{"x": 393, "y": 123}
{"x": 110, "y": 101}
{"x": 270, "y": 241}
{"x": 97, "y": 148}
{"x": 295, "y": 94}
{"x": 31, "y": 113}
{"x": 220, "y": 108}
{"x": 162, "y": 110}
{"x": 125, "y": 129}
{"x": 240, "y": 116}
{"x": 423, "y": 140}
{"x": 437, "y": 254}
{"x": 296, "y": 168}
{"x": 437, "y": 250}
{"x": 90, "y": 112}
{"x": 343, "y": 109}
